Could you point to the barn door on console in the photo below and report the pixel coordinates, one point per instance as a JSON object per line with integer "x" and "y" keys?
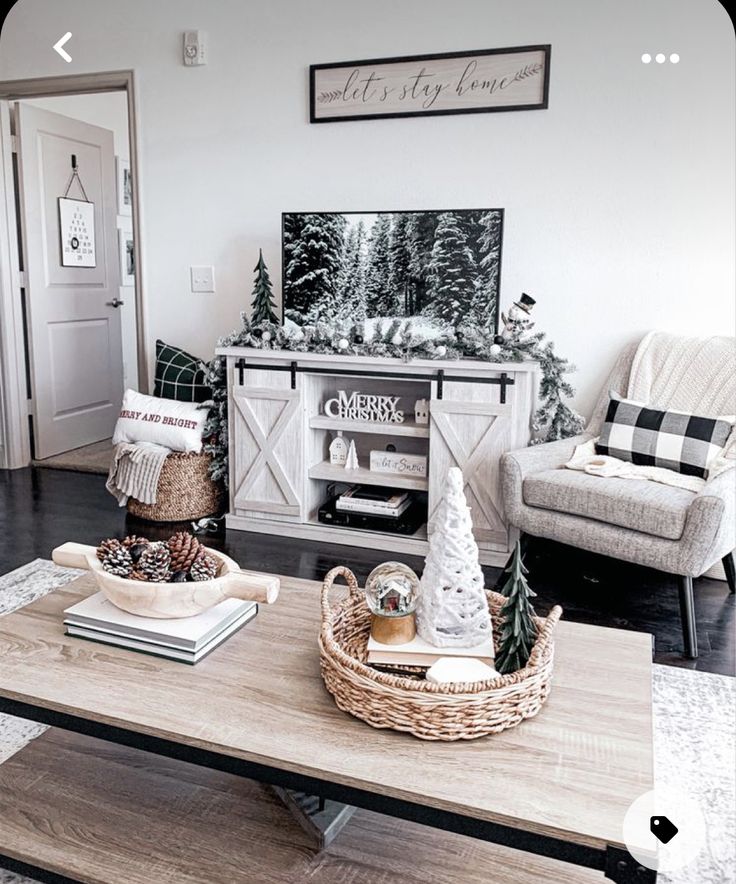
{"x": 266, "y": 447}
{"x": 471, "y": 433}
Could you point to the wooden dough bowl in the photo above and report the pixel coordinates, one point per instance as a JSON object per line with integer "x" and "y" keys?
{"x": 171, "y": 600}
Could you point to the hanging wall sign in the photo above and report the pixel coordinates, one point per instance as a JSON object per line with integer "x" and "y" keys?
{"x": 365, "y": 407}
{"x": 422, "y": 85}
{"x": 77, "y": 226}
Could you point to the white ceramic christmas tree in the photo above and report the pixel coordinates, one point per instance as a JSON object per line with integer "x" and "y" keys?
{"x": 351, "y": 461}
{"x": 452, "y": 610}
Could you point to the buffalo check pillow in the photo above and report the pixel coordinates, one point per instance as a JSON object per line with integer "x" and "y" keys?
{"x": 179, "y": 375}
{"x": 685, "y": 443}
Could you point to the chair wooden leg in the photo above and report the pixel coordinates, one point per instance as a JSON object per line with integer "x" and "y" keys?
{"x": 687, "y": 616}
{"x": 728, "y": 567}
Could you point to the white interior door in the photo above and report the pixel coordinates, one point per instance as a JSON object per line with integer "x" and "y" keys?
{"x": 73, "y": 314}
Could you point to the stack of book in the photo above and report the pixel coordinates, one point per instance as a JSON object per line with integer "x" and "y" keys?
{"x": 187, "y": 639}
{"x": 417, "y": 652}
{"x": 375, "y": 501}
{"x": 375, "y": 508}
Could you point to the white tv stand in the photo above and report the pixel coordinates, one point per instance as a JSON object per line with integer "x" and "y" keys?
{"x": 279, "y": 438}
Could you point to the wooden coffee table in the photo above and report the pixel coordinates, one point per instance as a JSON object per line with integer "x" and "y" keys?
{"x": 557, "y": 786}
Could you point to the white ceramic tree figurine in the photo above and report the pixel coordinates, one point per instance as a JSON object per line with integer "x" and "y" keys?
{"x": 452, "y": 610}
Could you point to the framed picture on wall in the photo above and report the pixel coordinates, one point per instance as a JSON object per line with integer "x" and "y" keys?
{"x": 77, "y": 231}
{"x": 487, "y": 80}
{"x": 433, "y": 267}
{"x": 124, "y": 189}
{"x": 127, "y": 257}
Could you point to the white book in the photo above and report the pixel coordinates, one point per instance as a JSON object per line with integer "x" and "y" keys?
{"x": 417, "y": 652}
{"x": 160, "y": 650}
{"x": 187, "y": 634}
{"x": 370, "y": 508}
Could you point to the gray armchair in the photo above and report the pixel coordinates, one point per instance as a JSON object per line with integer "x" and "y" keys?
{"x": 670, "y": 529}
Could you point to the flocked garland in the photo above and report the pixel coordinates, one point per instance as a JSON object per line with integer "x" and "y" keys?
{"x": 554, "y": 419}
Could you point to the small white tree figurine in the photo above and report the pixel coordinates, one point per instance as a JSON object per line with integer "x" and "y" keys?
{"x": 452, "y": 610}
{"x": 351, "y": 461}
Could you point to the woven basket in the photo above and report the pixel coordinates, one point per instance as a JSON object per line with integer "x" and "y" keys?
{"x": 185, "y": 491}
{"x": 408, "y": 703}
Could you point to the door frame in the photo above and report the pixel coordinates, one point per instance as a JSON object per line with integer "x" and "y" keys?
{"x": 14, "y": 408}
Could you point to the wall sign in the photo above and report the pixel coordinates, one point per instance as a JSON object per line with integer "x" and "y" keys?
{"x": 399, "y": 464}
{"x": 365, "y": 407}
{"x": 77, "y": 227}
{"x": 516, "y": 78}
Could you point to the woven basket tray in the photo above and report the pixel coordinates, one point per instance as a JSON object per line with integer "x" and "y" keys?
{"x": 408, "y": 703}
{"x": 185, "y": 491}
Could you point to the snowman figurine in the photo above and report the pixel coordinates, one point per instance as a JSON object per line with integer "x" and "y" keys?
{"x": 517, "y": 322}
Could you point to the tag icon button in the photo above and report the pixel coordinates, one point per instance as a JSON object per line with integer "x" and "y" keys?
{"x": 663, "y": 829}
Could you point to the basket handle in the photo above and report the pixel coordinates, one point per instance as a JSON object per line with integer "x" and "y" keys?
{"x": 338, "y": 571}
{"x": 545, "y": 634}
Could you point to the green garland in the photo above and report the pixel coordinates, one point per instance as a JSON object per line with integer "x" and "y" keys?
{"x": 554, "y": 419}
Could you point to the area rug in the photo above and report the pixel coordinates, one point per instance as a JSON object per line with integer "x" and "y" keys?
{"x": 694, "y": 737}
{"x": 94, "y": 458}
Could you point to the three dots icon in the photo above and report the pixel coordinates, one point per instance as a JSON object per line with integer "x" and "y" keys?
{"x": 660, "y": 58}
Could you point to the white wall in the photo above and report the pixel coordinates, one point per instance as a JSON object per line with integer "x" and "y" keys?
{"x": 619, "y": 197}
{"x": 109, "y": 110}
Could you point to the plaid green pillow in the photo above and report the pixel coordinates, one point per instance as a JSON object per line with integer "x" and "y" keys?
{"x": 179, "y": 375}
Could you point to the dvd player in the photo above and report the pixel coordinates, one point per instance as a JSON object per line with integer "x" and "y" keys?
{"x": 408, "y": 522}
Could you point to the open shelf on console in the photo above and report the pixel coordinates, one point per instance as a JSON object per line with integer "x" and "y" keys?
{"x": 361, "y": 476}
{"x": 407, "y": 428}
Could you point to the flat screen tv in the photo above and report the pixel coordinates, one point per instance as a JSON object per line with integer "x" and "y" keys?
{"x": 438, "y": 266}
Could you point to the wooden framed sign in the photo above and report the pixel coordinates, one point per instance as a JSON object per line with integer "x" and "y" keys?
{"x": 489, "y": 80}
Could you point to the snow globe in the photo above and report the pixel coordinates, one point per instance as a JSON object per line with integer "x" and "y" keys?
{"x": 391, "y": 593}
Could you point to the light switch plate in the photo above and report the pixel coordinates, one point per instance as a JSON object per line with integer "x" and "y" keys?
{"x": 203, "y": 278}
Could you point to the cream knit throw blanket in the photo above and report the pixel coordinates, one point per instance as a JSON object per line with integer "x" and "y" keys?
{"x": 694, "y": 375}
{"x": 135, "y": 471}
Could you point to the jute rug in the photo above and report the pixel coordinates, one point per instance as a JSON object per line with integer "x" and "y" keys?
{"x": 694, "y": 737}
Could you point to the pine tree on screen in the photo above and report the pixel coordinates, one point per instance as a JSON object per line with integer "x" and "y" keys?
{"x": 421, "y": 228}
{"x": 399, "y": 277}
{"x": 381, "y": 300}
{"x": 313, "y": 253}
{"x": 452, "y": 272}
{"x": 352, "y": 280}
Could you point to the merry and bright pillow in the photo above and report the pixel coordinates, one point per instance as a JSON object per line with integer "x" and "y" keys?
{"x": 175, "y": 425}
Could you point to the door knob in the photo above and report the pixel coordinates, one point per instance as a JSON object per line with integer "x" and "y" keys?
{"x": 116, "y": 302}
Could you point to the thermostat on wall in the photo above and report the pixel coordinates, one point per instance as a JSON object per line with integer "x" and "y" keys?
{"x": 194, "y": 47}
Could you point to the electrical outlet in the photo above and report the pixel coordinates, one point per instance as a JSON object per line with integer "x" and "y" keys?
{"x": 203, "y": 279}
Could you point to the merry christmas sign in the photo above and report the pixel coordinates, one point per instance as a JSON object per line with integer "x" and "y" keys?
{"x": 364, "y": 407}
{"x": 450, "y": 83}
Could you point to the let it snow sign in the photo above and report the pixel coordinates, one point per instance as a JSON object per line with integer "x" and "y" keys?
{"x": 516, "y": 78}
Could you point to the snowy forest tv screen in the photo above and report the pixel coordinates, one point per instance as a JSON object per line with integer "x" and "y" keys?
{"x": 438, "y": 266}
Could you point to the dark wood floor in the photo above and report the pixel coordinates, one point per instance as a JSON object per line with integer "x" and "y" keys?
{"x": 42, "y": 508}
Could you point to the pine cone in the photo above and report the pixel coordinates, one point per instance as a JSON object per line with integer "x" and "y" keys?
{"x": 133, "y": 539}
{"x": 155, "y": 563}
{"x": 183, "y": 548}
{"x": 138, "y": 575}
{"x": 204, "y": 567}
{"x": 106, "y": 547}
{"x": 118, "y": 562}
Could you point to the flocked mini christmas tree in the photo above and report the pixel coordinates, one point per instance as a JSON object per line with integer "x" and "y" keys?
{"x": 452, "y": 610}
{"x": 518, "y": 632}
{"x": 263, "y": 303}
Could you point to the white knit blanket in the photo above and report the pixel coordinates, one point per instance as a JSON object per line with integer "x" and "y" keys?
{"x": 694, "y": 375}
{"x": 586, "y": 460}
{"x": 135, "y": 471}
